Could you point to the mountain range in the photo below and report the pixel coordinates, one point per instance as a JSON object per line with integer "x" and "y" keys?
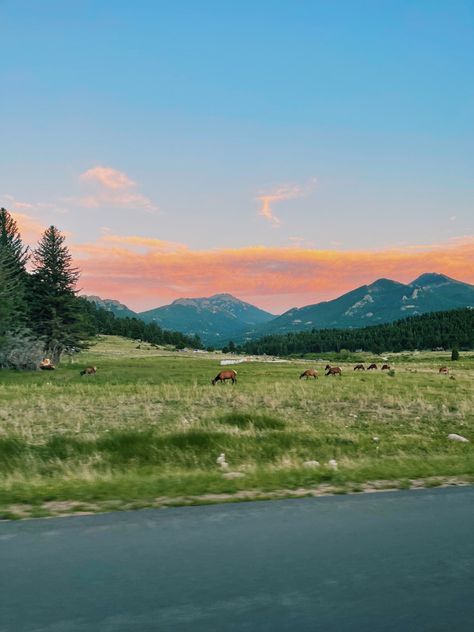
{"x": 220, "y": 318}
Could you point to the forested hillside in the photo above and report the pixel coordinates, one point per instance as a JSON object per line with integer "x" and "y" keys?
{"x": 454, "y": 328}
{"x": 103, "y": 321}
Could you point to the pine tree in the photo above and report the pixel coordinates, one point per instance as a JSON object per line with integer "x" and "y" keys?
{"x": 455, "y": 354}
{"x": 57, "y": 315}
{"x": 13, "y": 256}
{"x": 10, "y": 242}
{"x": 8, "y": 287}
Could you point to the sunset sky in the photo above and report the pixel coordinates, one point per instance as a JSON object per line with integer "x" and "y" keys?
{"x": 282, "y": 151}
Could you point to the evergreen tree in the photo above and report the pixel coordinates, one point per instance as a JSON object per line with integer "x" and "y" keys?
{"x": 56, "y": 312}
{"x": 10, "y": 242}
{"x": 455, "y": 354}
{"x": 13, "y": 257}
{"x": 8, "y": 288}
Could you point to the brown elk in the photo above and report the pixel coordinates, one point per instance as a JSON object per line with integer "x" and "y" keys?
{"x": 90, "y": 370}
{"x": 309, "y": 373}
{"x": 372, "y": 367}
{"x": 223, "y": 376}
{"x": 333, "y": 370}
{"x": 386, "y": 367}
{"x": 359, "y": 367}
{"x": 444, "y": 370}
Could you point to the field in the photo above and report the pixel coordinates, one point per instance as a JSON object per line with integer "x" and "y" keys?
{"x": 148, "y": 428}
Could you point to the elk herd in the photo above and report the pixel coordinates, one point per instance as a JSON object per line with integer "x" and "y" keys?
{"x": 230, "y": 375}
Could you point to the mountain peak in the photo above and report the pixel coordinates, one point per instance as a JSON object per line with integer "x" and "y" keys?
{"x": 383, "y": 284}
{"x": 430, "y": 278}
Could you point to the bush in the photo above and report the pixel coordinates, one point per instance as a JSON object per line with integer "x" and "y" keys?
{"x": 455, "y": 354}
{"x": 22, "y": 352}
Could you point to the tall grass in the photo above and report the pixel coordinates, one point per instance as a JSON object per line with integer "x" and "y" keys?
{"x": 151, "y": 424}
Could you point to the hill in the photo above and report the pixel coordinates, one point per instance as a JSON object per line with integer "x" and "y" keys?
{"x": 215, "y": 319}
{"x": 380, "y": 302}
{"x": 115, "y": 307}
{"x": 454, "y": 328}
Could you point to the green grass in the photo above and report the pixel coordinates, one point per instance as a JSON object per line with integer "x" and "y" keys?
{"x": 150, "y": 424}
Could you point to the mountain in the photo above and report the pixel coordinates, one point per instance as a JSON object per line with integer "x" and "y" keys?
{"x": 118, "y": 309}
{"x": 222, "y": 317}
{"x": 216, "y": 319}
{"x": 380, "y": 302}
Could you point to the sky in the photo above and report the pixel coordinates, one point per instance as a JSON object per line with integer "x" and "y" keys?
{"x": 282, "y": 151}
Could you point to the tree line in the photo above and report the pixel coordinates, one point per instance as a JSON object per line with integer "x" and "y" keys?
{"x": 437, "y": 330}
{"x": 41, "y": 314}
{"x": 104, "y": 322}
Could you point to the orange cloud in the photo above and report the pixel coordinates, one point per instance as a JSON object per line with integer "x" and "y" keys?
{"x": 30, "y": 229}
{"x": 286, "y": 192}
{"x": 145, "y": 272}
{"x": 274, "y": 278}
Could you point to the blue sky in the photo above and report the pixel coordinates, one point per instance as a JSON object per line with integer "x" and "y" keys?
{"x": 356, "y": 118}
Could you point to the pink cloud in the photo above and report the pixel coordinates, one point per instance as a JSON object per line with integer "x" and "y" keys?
{"x": 112, "y": 188}
{"x": 286, "y": 192}
{"x": 108, "y": 177}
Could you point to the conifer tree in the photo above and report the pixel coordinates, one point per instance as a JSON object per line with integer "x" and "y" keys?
{"x": 56, "y": 312}
{"x": 13, "y": 257}
{"x": 8, "y": 286}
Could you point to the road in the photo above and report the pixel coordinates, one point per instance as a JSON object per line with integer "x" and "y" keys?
{"x": 395, "y": 561}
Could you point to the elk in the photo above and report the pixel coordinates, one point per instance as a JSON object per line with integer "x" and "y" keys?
{"x": 90, "y": 370}
{"x": 223, "y": 376}
{"x": 309, "y": 373}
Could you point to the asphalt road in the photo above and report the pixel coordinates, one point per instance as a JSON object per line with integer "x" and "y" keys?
{"x": 392, "y": 561}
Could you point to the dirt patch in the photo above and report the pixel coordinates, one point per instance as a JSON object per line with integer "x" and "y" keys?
{"x": 68, "y": 508}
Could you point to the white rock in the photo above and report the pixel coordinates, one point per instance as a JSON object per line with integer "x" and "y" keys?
{"x": 456, "y": 437}
{"x": 221, "y": 461}
{"x": 311, "y": 464}
{"x": 333, "y": 463}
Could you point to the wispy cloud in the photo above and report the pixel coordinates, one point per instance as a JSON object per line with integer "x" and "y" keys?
{"x": 280, "y": 193}
{"x": 112, "y": 188}
{"x": 108, "y": 177}
{"x": 14, "y": 205}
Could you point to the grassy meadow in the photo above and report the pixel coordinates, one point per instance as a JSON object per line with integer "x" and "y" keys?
{"x": 147, "y": 429}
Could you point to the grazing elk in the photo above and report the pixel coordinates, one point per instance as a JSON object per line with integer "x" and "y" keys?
{"x": 386, "y": 367}
{"x": 372, "y": 367}
{"x": 444, "y": 370}
{"x": 333, "y": 370}
{"x": 90, "y": 370}
{"x": 359, "y": 367}
{"x": 309, "y": 373}
{"x": 223, "y": 376}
